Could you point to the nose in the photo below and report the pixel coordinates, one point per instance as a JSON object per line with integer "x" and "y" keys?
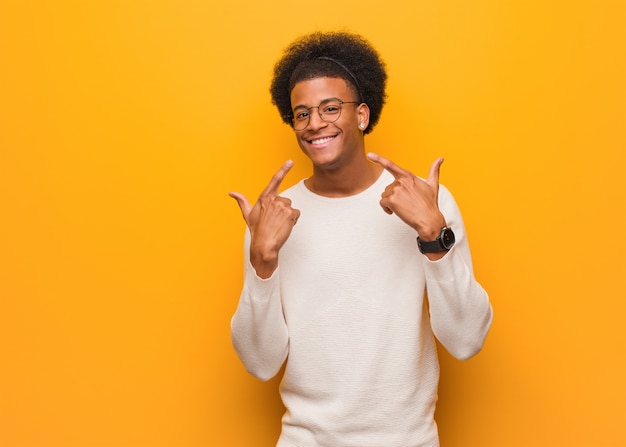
{"x": 316, "y": 121}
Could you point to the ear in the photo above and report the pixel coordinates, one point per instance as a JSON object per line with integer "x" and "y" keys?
{"x": 363, "y": 115}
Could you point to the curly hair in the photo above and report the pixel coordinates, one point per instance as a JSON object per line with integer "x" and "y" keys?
{"x": 335, "y": 55}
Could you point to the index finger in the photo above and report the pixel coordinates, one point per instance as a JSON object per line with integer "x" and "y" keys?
{"x": 277, "y": 179}
{"x": 389, "y": 165}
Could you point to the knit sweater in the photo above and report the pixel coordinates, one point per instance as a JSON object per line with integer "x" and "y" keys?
{"x": 347, "y": 308}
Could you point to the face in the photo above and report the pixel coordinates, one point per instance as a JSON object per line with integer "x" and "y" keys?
{"x": 329, "y": 145}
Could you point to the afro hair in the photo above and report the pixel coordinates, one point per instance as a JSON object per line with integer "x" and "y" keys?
{"x": 335, "y": 55}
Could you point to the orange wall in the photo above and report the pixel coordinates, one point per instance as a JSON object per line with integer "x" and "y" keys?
{"x": 123, "y": 125}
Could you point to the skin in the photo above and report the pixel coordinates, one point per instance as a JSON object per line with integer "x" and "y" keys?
{"x": 341, "y": 168}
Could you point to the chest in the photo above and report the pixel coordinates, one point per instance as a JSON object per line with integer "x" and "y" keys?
{"x": 349, "y": 246}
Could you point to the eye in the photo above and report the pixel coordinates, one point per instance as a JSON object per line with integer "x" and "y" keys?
{"x": 331, "y": 109}
{"x": 302, "y": 115}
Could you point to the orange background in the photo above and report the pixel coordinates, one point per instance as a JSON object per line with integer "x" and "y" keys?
{"x": 124, "y": 124}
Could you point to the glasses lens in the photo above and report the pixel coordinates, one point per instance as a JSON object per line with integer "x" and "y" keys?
{"x": 300, "y": 123}
{"x": 301, "y": 119}
{"x": 330, "y": 111}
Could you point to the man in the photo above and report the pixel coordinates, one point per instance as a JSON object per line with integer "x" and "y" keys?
{"x": 336, "y": 285}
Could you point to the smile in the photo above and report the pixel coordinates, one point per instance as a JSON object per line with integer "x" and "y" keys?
{"x": 321, "y": 140}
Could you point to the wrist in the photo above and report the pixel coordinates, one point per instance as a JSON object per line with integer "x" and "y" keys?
{"x": 429, "y": 233}
{"x": 431, "y": 230}
{"x": 264, "y": 268}
{"x": 264, "y": 262}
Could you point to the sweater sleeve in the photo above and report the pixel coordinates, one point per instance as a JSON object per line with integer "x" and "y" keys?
{"x": 258, "y": 329}
{"x": 460, "y": 312}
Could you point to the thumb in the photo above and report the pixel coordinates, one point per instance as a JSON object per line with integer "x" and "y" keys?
{"x": 244, "y": 204}
{"x": 433, "y": 174}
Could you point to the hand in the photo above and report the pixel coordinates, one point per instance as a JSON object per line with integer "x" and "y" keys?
{"x": 412, "y": 199}
{"x": 270, "y": 221}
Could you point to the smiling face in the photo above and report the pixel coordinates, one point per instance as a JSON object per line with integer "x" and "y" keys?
{"x": 330, "y": 145}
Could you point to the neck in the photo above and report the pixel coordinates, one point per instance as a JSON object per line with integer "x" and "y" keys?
{"x": 345, "y": 181}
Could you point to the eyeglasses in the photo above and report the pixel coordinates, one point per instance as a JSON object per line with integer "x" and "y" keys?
{"x": 329, "y": 111}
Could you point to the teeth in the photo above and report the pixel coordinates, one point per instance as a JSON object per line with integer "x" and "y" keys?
{"x": 321, "y": 140}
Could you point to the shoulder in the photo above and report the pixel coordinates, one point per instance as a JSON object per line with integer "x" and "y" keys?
{"x": 446, "y": 199}
{"x": 445, "y": 194}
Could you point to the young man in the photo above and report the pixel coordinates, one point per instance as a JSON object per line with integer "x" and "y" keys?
{"x": 337, "y": 266}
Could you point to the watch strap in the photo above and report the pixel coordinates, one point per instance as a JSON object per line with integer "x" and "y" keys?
{"x": 444, "y": 242}
{"x": 431, "y": 246}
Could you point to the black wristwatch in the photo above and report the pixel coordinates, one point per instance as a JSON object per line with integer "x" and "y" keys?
{"x": 444, "y": 242}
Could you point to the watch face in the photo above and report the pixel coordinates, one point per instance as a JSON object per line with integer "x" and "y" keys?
{"x": 447, "y": 239}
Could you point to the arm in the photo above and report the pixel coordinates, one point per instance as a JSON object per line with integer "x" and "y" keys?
{"x": 258, "y": 329}
{"x": 460, "y": 312}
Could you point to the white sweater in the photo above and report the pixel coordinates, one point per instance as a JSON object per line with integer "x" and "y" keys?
{"x": 347, "y": 308}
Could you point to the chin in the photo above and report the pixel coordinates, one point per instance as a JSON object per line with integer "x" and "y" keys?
{"x": 326, "y": 163}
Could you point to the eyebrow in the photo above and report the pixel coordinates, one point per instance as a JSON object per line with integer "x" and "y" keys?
{"x": 302, "y": 106}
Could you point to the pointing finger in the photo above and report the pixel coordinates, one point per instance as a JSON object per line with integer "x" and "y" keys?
{"x": 274, "y": 184}
{"x": 389, "y": 165}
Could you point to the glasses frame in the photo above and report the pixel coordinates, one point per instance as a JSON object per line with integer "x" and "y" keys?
{"x": 299, "y": 125}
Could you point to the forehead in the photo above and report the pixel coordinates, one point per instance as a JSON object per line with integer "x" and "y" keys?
{"x": 313, "y": 91}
